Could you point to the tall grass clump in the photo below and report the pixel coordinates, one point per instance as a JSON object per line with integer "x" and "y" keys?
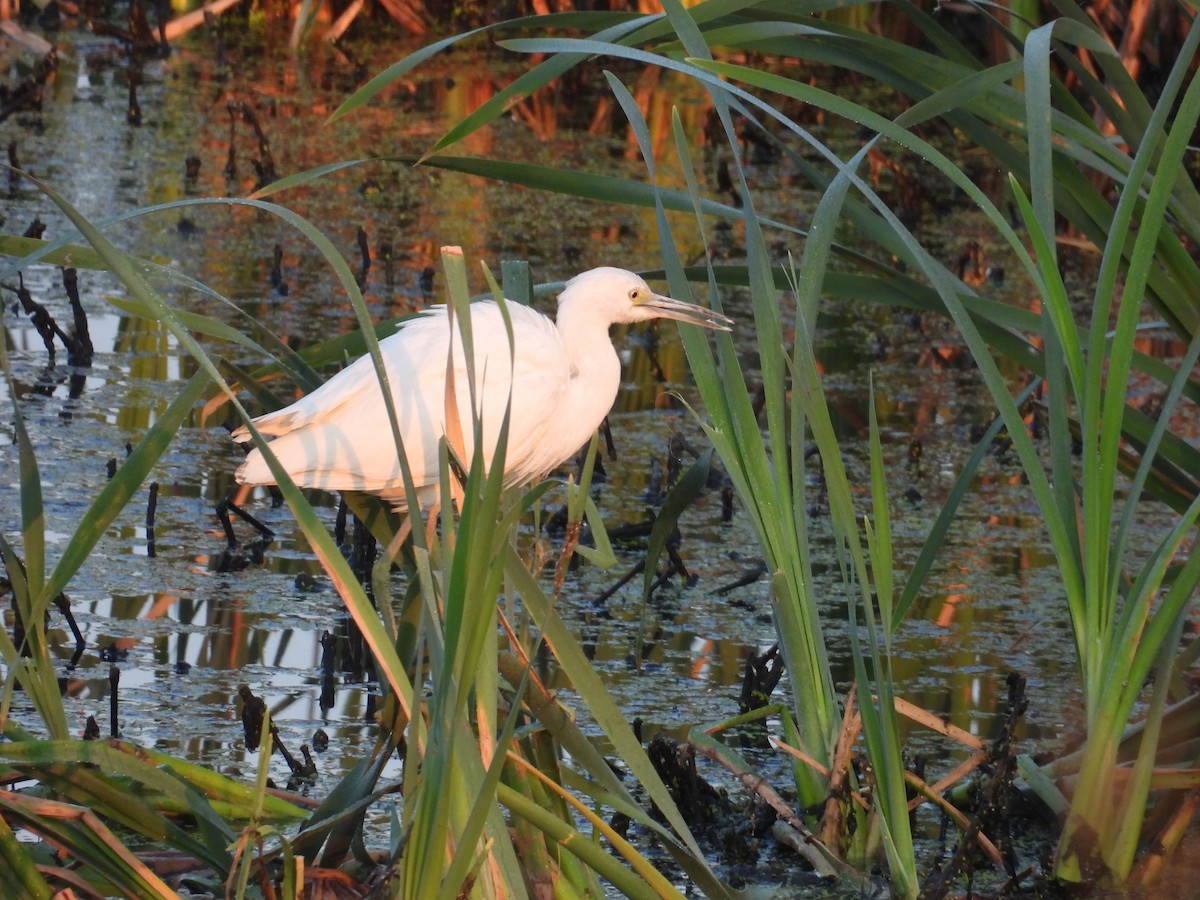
{"x": 1126, "y": 616}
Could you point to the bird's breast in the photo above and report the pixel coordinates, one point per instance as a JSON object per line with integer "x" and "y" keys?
{"x": 589, "y": 394}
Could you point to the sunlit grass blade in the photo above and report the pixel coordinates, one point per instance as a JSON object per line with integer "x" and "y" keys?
{"x": 24, "y": 877}
{"x": 30, "y": 664}
{"x": 98, "y": 774}
{"x": 581, "y": 184}
{"x": 657, "y": 882}
{"x": 594, "y": 855}
{"x": 483, "y": 809}
{"x": 33, "y": 524}
{"x": 879, "y": 719}
{"x": 86, "y": 839}
{"x": 78, "y": 255}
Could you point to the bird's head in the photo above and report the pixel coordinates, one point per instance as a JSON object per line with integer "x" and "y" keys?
{"x": 622, "y": 296}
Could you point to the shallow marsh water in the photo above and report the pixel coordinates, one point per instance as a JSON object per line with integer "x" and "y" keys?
{"x": 185, "y": 635}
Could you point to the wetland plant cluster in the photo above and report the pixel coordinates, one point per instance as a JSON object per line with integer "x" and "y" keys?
{"x": 504, "y": 792}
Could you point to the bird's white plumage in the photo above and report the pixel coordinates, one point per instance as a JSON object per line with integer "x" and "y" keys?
{"x": 562, "y": 378}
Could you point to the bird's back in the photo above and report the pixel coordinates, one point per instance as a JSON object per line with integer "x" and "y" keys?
{"x": 339, "y": 437}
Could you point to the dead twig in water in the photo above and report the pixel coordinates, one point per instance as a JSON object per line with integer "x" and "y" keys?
{"x": 839, "y": 786}
{"x": 817, "y": 854}
{"x": 839, "y": 789}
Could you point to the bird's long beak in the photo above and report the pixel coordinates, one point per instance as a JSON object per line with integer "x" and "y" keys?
{"x": 666, "y": 308}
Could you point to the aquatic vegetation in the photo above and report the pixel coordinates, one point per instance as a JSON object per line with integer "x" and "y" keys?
{"x": 1021, "y": 112}
{"x": 500, "y": 786}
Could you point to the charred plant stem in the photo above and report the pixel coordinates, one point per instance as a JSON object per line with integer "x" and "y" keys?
{"x": 114, "y": 681}
{"x": 364, "y": 251}
{"x": 151, "y": 508}
{"x": 42, "y": 321}
{"x": 80, "y": 350}
{"x": 621, "y": 582}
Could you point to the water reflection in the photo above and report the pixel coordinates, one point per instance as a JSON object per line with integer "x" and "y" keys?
{"x": 181, "y": 660}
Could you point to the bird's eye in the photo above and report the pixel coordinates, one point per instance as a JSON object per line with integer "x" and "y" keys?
{"x": 635, "y": 294}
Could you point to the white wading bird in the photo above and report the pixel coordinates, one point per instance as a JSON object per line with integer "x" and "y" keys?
{"x": 562, "y": 376}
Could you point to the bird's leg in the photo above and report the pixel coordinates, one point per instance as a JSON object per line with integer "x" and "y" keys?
{"x": 225, "y": 507}
{"x": 339, "y": 523}
{"x": 261, "y": 528}
{"x": 362, "y": 554}
{"x": 223, "y": 517}
{"x": 609, "y": 444}
{"x": 64, "y": 607}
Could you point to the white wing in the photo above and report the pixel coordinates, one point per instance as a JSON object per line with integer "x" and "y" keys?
{"x": 339, "y": 438}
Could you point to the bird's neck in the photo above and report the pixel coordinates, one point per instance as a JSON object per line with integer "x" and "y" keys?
{"x": 589, "y": 348}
